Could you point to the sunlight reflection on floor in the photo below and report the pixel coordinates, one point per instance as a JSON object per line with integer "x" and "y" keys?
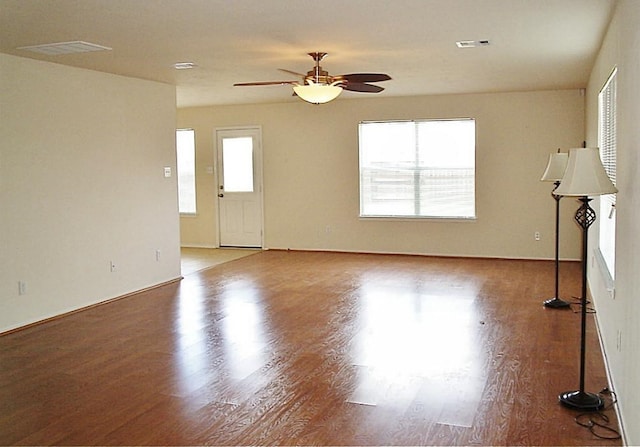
{"x": 412, "y": 339}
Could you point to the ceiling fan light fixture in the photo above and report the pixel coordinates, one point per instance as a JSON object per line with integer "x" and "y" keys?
{"x": 318, "y": 93}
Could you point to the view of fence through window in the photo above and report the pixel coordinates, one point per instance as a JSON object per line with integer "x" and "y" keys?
{"x": 417, "y": 168}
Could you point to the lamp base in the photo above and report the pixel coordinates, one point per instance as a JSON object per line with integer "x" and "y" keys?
{"x": 556, "y": 303}
{"x": 581, "y": 400}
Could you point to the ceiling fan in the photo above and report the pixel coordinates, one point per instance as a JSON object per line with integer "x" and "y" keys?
{"x": 318, "y": 86}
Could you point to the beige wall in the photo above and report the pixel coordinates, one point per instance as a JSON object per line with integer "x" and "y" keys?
{"x": 311, "y": 174}
{"x": 619, "y": 316}
{"x": 81, "y": 184}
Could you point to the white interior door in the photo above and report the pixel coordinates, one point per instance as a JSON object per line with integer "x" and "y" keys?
{"x": 240, "y": 187}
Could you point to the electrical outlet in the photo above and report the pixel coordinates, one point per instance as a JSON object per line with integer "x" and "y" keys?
{"x": 536, "y": 235}
{"x": 113, "y": 267}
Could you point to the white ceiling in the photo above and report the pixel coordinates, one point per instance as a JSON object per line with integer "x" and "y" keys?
{"x": 535, "y": 44}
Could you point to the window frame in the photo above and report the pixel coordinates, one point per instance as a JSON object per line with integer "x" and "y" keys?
{"x": 416, "y": 188}
{"x": 191, "y": 211}
{"x": 607, "y": 144}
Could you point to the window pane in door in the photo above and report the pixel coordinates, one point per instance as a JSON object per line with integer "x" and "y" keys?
{"x": 237, "y": 164}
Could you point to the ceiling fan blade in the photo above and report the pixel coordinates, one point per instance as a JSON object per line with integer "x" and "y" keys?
{"x": 292, "y": 72}
{"x": 361, "y": 87}
{"x": 244, "y": 84}
{"x": 364, "y": 77}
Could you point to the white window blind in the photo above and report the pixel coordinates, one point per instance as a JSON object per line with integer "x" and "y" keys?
{"x": 417, "y": 168}
{"x": 607, "y": 143}
{"x": 607, "y": 130}
{"x": 186, "y": 167}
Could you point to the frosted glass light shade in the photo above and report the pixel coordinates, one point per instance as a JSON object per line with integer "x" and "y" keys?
{"x": 555, "y": 167}
{"x": 585, "y": 175}
{"x": 317, "y": 93}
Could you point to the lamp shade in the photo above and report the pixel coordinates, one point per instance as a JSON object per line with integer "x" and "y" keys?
{"x": 555, "y": 167}
{"x": 317, "y": 93}
{"x": 585, "y": 175}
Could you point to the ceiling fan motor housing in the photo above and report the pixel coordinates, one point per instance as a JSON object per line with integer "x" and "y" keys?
{"x": 318, "y": 76}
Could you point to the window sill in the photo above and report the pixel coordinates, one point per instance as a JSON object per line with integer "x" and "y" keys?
{"x": 607, "y": 277}
{"x": 418, "y": 218}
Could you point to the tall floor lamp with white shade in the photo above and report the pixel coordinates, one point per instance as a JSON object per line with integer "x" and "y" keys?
{"x": 584, "y": 177}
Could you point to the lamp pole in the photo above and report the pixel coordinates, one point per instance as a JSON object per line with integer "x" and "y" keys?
{"x": 556, "y": 302}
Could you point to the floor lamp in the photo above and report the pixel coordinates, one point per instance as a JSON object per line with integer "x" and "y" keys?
{"x": 585, "y": 176}
{"x": 555, "y": 171}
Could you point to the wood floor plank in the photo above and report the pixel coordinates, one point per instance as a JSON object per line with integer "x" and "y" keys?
{"x": 283, "y": 348}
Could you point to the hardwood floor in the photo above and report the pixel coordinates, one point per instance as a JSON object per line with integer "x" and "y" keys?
{"x": 310, "y": 348}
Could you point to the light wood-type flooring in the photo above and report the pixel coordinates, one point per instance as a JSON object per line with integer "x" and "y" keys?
{"x": 304, "y": 348}
{"x": 196, "y": 259}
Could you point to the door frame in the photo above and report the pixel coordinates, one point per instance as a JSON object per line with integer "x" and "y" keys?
{"x": 258, "y": 168}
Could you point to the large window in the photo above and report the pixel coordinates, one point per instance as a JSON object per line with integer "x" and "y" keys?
{"x": 607, "y": 143}
{"x": 418, "y": 169}
{"x": 186, "y": 156}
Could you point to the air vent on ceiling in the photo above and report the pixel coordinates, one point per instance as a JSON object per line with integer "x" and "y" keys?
{"x": 472, "y": 43}
{"x": 54, "y": 49}
{"x": 184, "y": 65}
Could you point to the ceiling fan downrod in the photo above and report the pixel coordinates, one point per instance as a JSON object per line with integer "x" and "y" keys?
{"x": 318, "y": 75}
